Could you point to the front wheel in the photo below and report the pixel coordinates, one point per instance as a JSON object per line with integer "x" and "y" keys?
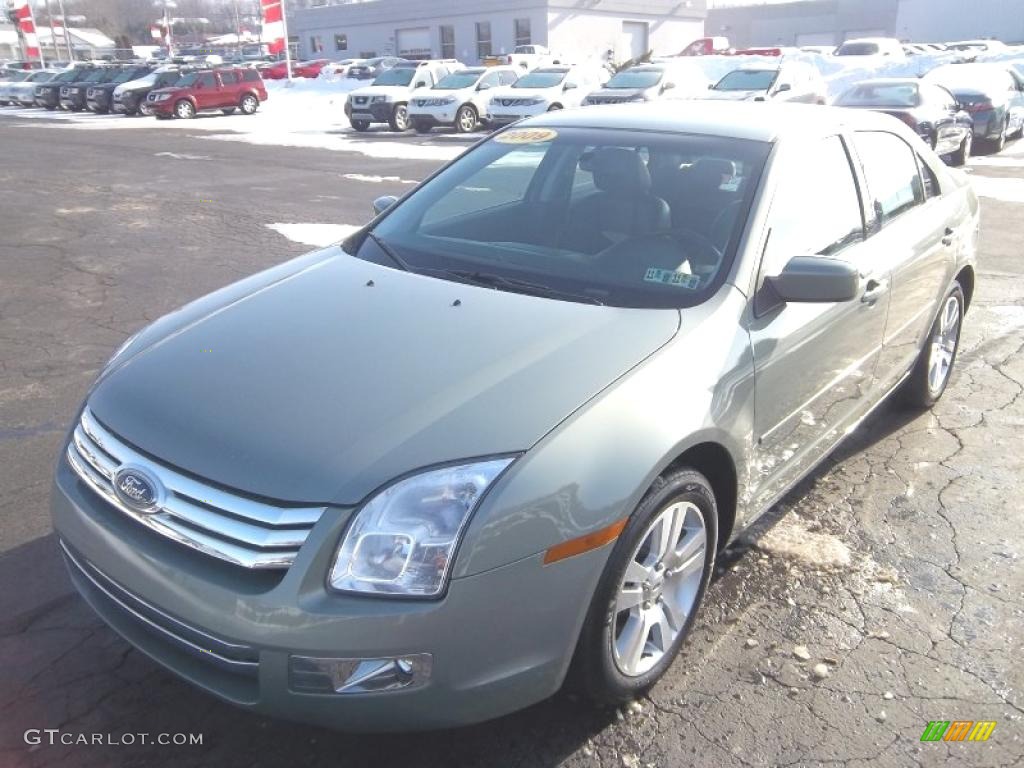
{"x": 184, "y": 110}
{"x": 465, "y": 119}
{"x": 652, "y": 586}
{"x": 249, "y": 104}
{"x": 399, "y": 118}
{"x": 963, "y": 153}
{"x": 934, "y": 366}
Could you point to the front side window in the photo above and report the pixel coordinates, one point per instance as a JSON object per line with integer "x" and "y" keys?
{"x": 522, "y": 30}
{"x": 483, "y": 39}
{"x": 890, "y": 168}
{"x": 456, "y": 81}
{"x": 341, "y": 42}
{"x": 395, "y": 76}
{"x": 592, "y": 215}
{"x": 816, "y": 210}
{"x": 537, "y": 79}
{"x": 207, "y": 80}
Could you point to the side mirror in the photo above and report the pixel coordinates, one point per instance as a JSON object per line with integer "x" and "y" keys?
{"x": 783, "y": 87}
{"x": 569, "y": 86}
{"x": 667, "y": 86}
{"x": 816, "y": 279}
{"x": 711, "y": 86}
{"x": 484, "y": 87}
{"x": 381, "y": 204}
{"x": 420, "y": 84}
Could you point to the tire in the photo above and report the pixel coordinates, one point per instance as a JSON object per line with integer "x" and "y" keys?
{"x": 228, "y": 110}
{"x": 142, "y": 109}
{"x": 963, "y": 153}
{"x": 399, "y": 120}
{"x": 466, "y": 119}
{"x": 1000, "y": 144}
{"x": 605, "y": 667}
{"x": 422, "y": 126}
{"x": 249, "y": 104}
{"x": 361, "y": 125}
{"x": 184, "y": 110}
{"x": 934, "y": 367}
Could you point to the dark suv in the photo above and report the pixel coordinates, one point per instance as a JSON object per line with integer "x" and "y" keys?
{"x": 99, "y": 97}
{"x": 48, "y": 94}
{"x": 130, "y": 98}
{"x": 211, "y": 89}
{"x": 72, "y": 95}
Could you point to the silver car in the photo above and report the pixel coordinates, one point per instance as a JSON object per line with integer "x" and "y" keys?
{"x": 493, "y": 441}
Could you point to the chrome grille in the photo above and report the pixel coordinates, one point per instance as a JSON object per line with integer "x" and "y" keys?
{"x": 515, "y": 102}
{"x": 218, "y": 523}
{"x": 430, "y": 102}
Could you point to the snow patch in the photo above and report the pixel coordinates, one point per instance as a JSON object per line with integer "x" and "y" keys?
{"x": 377, "y": 179}
{"x": 318, "y": 235}
{"x": 1003, "y": 189}
{"x": 792, "y": 540}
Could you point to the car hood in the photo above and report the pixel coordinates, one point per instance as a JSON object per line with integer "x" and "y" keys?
{"x": 440, "y": 93}
{"x": 394, "y": 91}
{"x": 734, "y": 95}
{"x": 330, "y": 382}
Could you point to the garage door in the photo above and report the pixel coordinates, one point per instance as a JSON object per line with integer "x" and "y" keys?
{"x": 816, "y": 38}
{"x": 413, "y": 43}
{"x": 634, "y": 34}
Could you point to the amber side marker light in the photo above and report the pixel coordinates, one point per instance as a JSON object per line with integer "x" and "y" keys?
{"x": 585, "y": 543}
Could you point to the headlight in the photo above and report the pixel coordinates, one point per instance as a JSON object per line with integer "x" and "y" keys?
{"x": 401, "y": 542}
{"x": 163, "y": 96}
{"x": 377, "y": 99}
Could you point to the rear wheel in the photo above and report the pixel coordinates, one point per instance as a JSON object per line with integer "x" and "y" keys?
{"x": 184, "y": 110}
{"x": 466, "y": 119}
{"x": 934, "y": 365}
{"x": 650, "y": 591}
{"x": 399, "y": 118}
{"x": 249, "y": 104}
{"x": 963, "y": 153}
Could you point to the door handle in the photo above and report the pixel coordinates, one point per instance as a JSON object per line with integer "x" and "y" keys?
{"x": 948, "y": 239}
{"x": 873, "y": 290}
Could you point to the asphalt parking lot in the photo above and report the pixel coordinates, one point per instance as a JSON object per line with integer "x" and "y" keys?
{"x": 897, "y": 565}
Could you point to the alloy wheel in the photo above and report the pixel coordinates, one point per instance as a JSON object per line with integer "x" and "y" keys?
{"x": 659, "y": 588}
{"x": 943, "y": 345}
{"x": 467, "y": 120}
{"x": 184, "y": 110}
{"x": 401, "y": 118}
{"x": 249, "y": 104}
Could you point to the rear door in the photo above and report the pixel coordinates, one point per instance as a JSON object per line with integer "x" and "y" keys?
{"x": 814, "y": 362}
{"x": 909, "y": 223}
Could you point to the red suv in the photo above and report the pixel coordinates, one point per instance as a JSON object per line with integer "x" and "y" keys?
{"x": 203, "y": 90}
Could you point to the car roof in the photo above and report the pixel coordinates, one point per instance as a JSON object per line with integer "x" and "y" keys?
{"x": 739, "y": 120}
{"x": 888, "y": 81}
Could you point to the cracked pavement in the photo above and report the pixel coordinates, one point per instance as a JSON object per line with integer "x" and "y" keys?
{"x": 895, "y": 569}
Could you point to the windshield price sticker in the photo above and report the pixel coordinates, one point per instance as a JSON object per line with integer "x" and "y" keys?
{"x": 526, "y": 136}
{"x": 669, "y": 277}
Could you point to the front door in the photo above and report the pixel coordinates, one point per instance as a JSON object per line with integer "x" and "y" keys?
{"x": 814, "y": 362}
{"x": 206, "y": 91}
{"x": 909, "y": 221}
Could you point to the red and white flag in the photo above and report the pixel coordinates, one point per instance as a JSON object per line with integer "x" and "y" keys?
{"x": 273, "y": 25}
{"x": 27, "y": 27}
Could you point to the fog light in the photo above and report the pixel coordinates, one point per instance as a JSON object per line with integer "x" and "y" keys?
{"x": 310, "y": 674}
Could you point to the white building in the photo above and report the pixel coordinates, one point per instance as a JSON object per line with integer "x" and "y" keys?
{"x": 471, "y": 31}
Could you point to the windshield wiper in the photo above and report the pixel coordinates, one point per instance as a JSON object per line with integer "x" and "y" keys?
{"x": 516, "y": 285}
{"x": 390, "y": 252}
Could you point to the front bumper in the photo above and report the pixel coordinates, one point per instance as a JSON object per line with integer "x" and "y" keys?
{"x": 72, "y": 102}
{"x": 163, "y": 108}
{"x": 99, "y": 102}
{"x": 499, "y": 640}
{"x": 434, "y": 115}
{"x": 47, "y": 99}
{"x": 374, "y": 112}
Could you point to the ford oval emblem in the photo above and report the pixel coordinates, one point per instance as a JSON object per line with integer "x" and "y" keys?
{"x": 138, "y": 489}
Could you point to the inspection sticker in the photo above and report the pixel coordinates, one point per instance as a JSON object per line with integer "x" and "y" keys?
{"x": 670, "y": 277}
{"x": 526, "y": 136}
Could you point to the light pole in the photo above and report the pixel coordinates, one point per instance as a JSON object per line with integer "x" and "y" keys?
{"x": 64, "y": 29}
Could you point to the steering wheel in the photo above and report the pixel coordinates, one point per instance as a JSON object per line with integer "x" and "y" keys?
{"x": 704, "y": 244}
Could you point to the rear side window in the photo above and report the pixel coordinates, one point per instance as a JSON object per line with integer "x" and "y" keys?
{"x": 817, "y": 209}
{"x": 250, "y": 76}
{"x": 890, "y": 167}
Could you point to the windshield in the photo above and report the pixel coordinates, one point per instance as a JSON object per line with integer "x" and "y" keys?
{"x": 979, "y": 78}
{"x": 632, "y": 219}
{"x": 128, "y": 74}
{"x": 880, "y": 95}
{"x": 540, "y": 80}
{"x": 458, "y": 80}
{"x": 857, "y": 49}
{"x": 95, "y": 76}
{"x": 397, "y": 76}
{"x": 748, "y": 80}
{"x": 636, "y": 78}
{"x": 41, "y": 77}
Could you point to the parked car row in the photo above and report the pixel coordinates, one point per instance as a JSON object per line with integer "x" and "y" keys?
{"x": 137, "y": 89}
